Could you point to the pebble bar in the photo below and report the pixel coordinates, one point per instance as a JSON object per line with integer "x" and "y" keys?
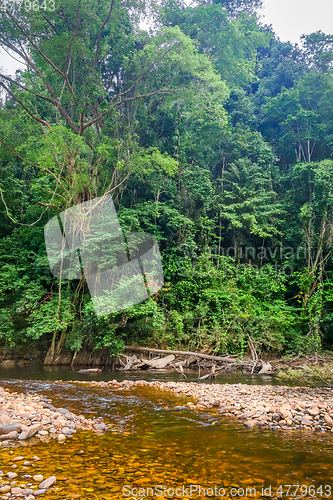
{"x": 274, "y": 407}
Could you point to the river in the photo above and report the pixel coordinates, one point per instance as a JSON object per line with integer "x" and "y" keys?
{"x": 153, "y": 444}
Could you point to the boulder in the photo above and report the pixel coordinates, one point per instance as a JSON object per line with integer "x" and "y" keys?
{"x": 12, "y": 435}
{"x": 100, "y": 427}
{"x": 314, "y": 411}
{"x": 246, "y": 414}
{"x": 30, "y": 432}
{"x": 63, "y": 411}
{"x": 328, "y": 420}
{"x": 4, "y": 420}
{"x": 66, "y": 431}
{"x": 6, "y": 429}
{"x": 47, "y": 483}
{"x": 39, "y": 492}
{"x": 306, "y": 421}
{"x": 28, "y": 491}
{"x": 38, "y": 477}
{"x": 11, "y": 475}
{"x": 16, "y": 490}
{"x": 284, "y": 413}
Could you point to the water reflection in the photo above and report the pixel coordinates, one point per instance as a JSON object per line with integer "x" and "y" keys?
{"x": 37, "y": 371}
{"x": 152, "y": 443}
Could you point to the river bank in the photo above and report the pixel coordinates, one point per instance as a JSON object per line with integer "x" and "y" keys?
{"x": 33, "y": 418}
{"x": 272, "y": 407}
{"x": 153, "y": 420}
{"x": 23, "y": 417}
{"x": 146, "y": 359}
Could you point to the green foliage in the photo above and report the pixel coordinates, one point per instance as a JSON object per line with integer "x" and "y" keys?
{"x": 231, "y": 43}
{"x": 318, "y": 49}
{"x": 308, "y": 376}
{"x": 210, "y": 134}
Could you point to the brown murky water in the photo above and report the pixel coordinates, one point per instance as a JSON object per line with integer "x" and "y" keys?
{"x": 153, "y": 444}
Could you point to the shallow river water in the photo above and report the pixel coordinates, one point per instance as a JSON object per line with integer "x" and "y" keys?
{"x": 153, "y": 445}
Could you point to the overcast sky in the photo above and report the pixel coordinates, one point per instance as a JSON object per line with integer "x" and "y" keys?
{"x": 290, "y": 19}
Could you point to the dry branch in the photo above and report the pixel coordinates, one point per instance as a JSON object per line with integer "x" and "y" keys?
{"x": 225, "y": 359}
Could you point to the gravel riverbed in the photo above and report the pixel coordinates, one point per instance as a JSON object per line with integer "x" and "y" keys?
{"x": 275, "y": 407}
{"x": 34, "y": 418}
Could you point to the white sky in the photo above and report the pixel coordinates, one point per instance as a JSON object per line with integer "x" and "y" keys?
{"x": 290, "y": 19}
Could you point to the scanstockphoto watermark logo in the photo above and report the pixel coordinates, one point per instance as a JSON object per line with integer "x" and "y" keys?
{"x": 249, "y": 260}
{"x": 121, "y": 270}
{"x": 27, "y": 5}
{"x": 196, "y": 490}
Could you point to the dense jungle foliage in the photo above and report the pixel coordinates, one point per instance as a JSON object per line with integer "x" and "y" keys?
{"x": 210, "y": 133}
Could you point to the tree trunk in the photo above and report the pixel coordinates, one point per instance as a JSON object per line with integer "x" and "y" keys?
{"x": 226, "y": 359}
{"x": 50, "y": 353}
{"x": 59, "y": 347}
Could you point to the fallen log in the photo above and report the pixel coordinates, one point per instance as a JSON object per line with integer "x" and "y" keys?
{"x": 208, "y": 375}
{"x": 159, "y": 362}
{"x": 212, "y": 375}
{"x": 180, "y": 369}
{"x": 226, "y": 359}
{"x": 130, "y": 362}
{"x": 266, "y": 369}
{"x": 121, "y": 361}
{"x": 90, "y": 370}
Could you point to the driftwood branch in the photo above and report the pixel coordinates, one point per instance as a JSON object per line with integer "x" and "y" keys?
{"x": 180, "y": 369}
{"x": 225, "y": 359}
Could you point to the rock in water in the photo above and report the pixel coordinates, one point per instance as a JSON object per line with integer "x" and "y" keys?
{"x": 11, "y": 475}
{"x": 63, "y": 411}
{"x": 12, "y": 435}
{"x": 47, "y": 483}
{"x": 6, "y": 429}
{"x": 328, "y": 420}
{"x": 100, "y": 427}
{"x": 4, "y": 420}
{"x": 30, "y": 432}
{"x": 39, "y": 492}
{"x": 16, "y": 490}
